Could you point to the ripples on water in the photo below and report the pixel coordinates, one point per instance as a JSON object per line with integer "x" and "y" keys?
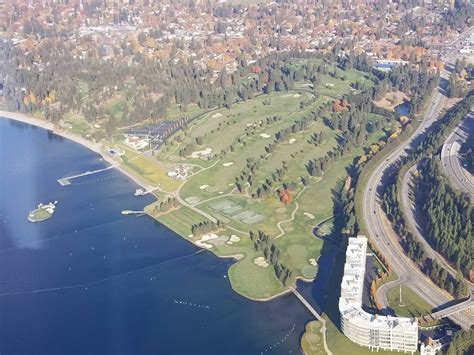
{"x": 91, "y": 281}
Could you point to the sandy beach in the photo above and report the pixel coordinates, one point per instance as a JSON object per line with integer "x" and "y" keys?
{"x": 95, "y": 147}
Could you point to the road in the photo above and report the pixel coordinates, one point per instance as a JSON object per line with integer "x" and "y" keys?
{"x": 469, "y": 303}
{"x": 459, "y": 177}
{"x": 384, "y": 237}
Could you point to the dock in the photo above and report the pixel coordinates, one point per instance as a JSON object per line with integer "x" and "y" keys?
{"x": 127, "y": 212}
{"x": 65, "y": 181}
{"x": 316, "y": 315}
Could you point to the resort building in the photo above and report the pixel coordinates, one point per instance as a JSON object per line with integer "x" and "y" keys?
{"x": 366, "y": 329}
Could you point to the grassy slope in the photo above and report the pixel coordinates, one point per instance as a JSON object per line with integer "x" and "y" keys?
{"x": 414, "y": 306}
{"x": 298, "y": 245}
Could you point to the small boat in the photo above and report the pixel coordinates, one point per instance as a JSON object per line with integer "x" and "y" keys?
{"x": 139, "y": 192}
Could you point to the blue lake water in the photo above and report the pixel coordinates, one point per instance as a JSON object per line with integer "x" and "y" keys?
{"x": 91, "y": 281}
{"x": 404, "y": 108}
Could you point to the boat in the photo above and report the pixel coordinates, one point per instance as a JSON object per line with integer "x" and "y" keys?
{"x": 139, "y": 192}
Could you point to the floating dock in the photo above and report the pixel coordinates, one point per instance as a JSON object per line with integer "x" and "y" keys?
{"x": 67, "y": 180}
{"x": 126, "y": 212}
{"x": 64, "y": 182}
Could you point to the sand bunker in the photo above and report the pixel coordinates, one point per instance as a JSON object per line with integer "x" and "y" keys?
{"x": 309, "y": 215}
{"x": 264, "y": 135}
{"x": 217, "y": 115}
{"x": 233, "y": 239}
{"x": 292, "y": 141}
{"x": 260, "y": 261}
{"x": 202, "y": 187}
{"x": 201, "y": 153}
{"x": 206, "y": 237}
{"x": 296, "y": 95}
{"x": 228, "y": 164}
{"x": 312, "y": 262}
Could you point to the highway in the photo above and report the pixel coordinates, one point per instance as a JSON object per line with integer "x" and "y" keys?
{"x": 459, "y": 177}
{"x": 384, "y": 237}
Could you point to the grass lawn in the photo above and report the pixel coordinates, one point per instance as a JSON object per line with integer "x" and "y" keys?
{"x": 78, "y": 125}
{"x": 179, "y": 220}
{"x": 148, "y": 169}
{"x": 312, "y": 341}
{"x": 413, "y": 305}
{"x": 245, "y": 127}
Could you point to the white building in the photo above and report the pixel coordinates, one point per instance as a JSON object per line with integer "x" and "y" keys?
{"x": 371, "y": 330}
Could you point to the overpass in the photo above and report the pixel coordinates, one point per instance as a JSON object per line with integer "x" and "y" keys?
{"x": 455, "y": 308}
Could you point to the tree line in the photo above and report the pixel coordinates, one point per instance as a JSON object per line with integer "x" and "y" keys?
{"x": 263, "y": 243}
{"x": 204, "y": 227}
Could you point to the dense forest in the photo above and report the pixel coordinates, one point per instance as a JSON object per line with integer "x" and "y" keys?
{"x": 461, "y": 344}
{"x": 449, "y": 216}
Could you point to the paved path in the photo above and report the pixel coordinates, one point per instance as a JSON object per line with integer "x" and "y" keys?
{"x": 282, "y": 231}
{"x": 316, "y": 315}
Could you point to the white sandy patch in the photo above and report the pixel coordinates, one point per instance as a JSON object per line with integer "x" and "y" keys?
{"x": 228, "y": 164}
{"x": 234, "y": 238}
{"x": 203, "y": 245}
{"x": 296, "y": 95}
{"x": 264, "y": 135}
{"x": 209, "y": 236}
{"x": 200, "y": 153}
{"x": 260, "y": 261}
{"x": 202, "y": 187}
{"x": 312, "y": 262}
{"x": 206, "y": 237}
{"x": 217, "y": 115}
{"x": 231, "y": 184}
{"x": 309, "y": 215}
{"x": 190, "y": 235}
{"x": 221, "y": 192}
{"x": 292, "y": 141}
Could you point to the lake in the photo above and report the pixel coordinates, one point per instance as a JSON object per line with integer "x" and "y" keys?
{"x": 92, "y": 281}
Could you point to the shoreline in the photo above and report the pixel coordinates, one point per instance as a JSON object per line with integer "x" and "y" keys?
{"x": 98, "y": 149}
{"x": 95, "y": 147}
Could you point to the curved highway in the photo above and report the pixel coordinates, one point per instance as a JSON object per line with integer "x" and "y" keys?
{"x": 384, "y": 237}
{"x": 459, "y": 177}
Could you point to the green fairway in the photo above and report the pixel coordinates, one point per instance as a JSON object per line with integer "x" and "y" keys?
{"x": 222, "y": 144}
{"x": 312, "y": 339}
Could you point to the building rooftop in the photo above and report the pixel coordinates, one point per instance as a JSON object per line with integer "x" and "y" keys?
{"x": 350, "y": 302}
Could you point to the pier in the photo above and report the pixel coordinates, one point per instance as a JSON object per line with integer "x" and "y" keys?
{"x": 67, "y": 180}
{"x": 149, "y": 190}
{"x": 127, "y": 212}
{"x": 316, "y": 315}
